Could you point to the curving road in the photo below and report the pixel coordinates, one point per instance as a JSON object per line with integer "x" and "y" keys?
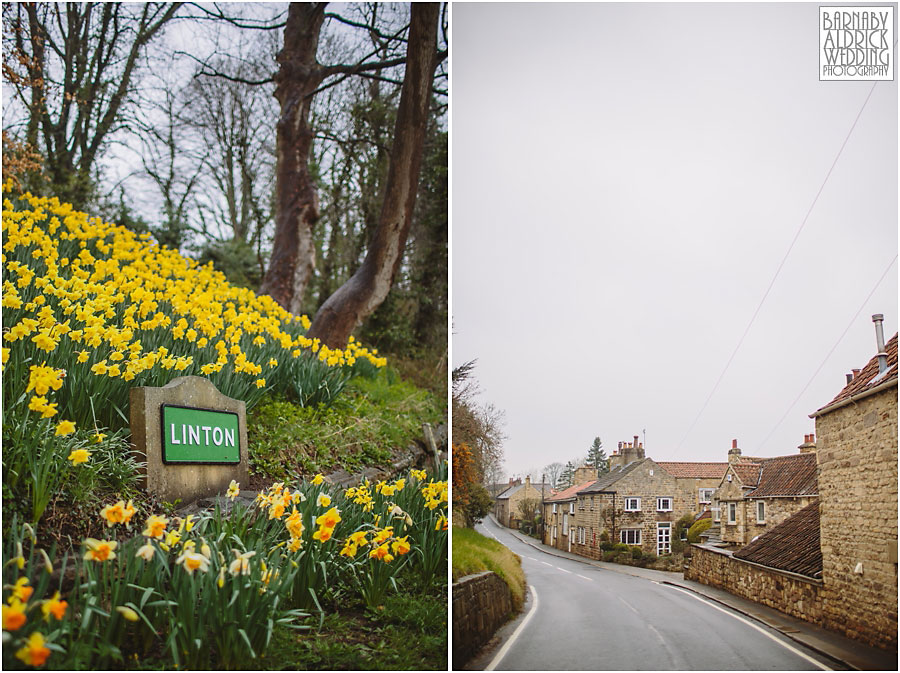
{"x": 583, "y": 617}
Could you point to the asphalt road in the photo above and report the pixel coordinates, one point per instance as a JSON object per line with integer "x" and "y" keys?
{"x": 582, "y": 617}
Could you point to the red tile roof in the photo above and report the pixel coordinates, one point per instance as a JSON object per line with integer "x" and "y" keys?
{"x": 569, "y": 493}
{"x": 868, "y": 377}
{"x": 792, "y": 545}
{"x": 694, "y": 470}
{"x": 787, "y": 475}
{"x": 747, "y": 472}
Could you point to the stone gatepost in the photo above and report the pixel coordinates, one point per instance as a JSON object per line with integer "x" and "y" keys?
{"x": 194, "y": 438}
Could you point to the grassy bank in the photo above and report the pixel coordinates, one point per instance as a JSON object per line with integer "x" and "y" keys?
{"x": 475, "y": 553}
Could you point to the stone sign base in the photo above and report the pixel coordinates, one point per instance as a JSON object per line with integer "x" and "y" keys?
{"x": 186, "y": 482}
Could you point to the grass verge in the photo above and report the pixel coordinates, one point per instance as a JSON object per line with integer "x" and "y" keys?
{"x": 408, "y": 633}
{"x": 370, "y": 418}
{"x": 475, "y": 553}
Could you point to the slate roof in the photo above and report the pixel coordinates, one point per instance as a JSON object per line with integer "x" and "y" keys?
{"x": 793, "y": 475}
{"x": 512, "y": 490}
{"x": 868, "y": 376}
{"x": 611, "y": 477}
{"x": 569, "y": 493}
{"x": 694, "y": 470}
{"x": 792, "y": 545}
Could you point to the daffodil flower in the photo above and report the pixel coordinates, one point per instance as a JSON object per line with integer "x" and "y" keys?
{"x": 14, "y": 615}
{"x": 100, "y": 550}
{"x": 127, "y": 613}
{"x": 79, "y": 456}
{"x": 241, "y": 563}
{"x": 233, "y": 490}
{"x": 33, "y": 653}
{"x": 146, "y": 552}
{"x": 193, "y": 561}
{"x": 324, "y": 500}
{"x": 54, "y": 606}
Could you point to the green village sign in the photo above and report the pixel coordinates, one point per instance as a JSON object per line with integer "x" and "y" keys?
{"x": 191, "y": 438}
{"x": 205, "y": 436}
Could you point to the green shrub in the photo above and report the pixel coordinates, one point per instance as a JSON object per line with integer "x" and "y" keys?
{"x": 621, "y": 546}
{"x": 699, "y": 526}
{"x": 636, "y": 553}
{"x": 606, "y": 545}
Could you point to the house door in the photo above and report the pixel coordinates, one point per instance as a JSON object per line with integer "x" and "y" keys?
{"x": 663, "y": 538}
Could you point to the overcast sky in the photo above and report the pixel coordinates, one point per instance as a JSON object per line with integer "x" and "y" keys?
{"x": 626, "y": 181}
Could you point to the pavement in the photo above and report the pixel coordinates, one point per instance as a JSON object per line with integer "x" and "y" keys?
{"x": 848, "y": 653}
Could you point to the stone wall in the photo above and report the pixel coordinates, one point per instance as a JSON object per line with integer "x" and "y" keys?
{"x": 482, "y": 603}
{"x": 788, "y": 592}
{"x": 857, "y": 454}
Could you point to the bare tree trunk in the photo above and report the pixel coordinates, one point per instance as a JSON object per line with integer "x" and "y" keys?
{"x": 361, "y": 295}
{"x": 297, "y": 204}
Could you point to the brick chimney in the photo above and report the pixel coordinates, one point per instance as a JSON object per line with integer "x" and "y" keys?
{"x": 734, "y": 453}
{"x": 809, "y": 444}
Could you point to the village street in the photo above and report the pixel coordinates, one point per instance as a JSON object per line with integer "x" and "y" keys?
{"x": 589, "y": 618}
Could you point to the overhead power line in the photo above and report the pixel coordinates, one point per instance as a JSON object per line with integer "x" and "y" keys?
{"x": 778, "y": 270}
{"x": 833, "y": 348}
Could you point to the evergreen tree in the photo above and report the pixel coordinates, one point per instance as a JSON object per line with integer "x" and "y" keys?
{"x": 597, "y": 457}
{"x": 567, "y": 477}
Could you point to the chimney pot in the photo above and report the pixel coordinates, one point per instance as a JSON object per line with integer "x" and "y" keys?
{"x": 849, "y": 378}
{"x": 733, "y": 443}
{"x": 812, "y": 438}
{"x": 878, "y": 318}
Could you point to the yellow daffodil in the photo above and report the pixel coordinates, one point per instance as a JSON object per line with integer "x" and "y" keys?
{"x": 14, "y": 615}
{"x": 329, "y": 519}
{"x": 193, "y": 561}
{"x": 79, "y": 456}
{"x": 127, "y": 613}
{"x": 54, "y": 606}
{"x": 233, "y": 490}
{"x": 323, "y": 500}
{"x": 146, "y": 552}
{"x": 100, "y": 550}
{"x": 34, "y": 653}
{"x": 156, "y": 526}
{"x": 241, "y": 563}
{"x": 65, "y": 428}
{"x": 318, "y": 479}
{"x": 20, "y": 590}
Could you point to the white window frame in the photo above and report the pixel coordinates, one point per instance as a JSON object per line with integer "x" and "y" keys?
{"x": 554, "y": 508}
{"x": 635, "y": 536}
{"x": 592, "y": 503}
{"x": 717, "y": 512}
{"x": 565, "y": 523}
{"x": 660, "y": 502}
{"x": 709, "y": 498}
{"x": 732, "y": 513}
{"x": 663, "y": 542}
{"x": 760, "y": 511}
{"x": 628, "y": 503}
{"x": 572, "y": 507}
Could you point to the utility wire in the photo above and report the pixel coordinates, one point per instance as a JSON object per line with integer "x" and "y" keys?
{"x": 833, "y": 348}
{"x": 778, "y": 270}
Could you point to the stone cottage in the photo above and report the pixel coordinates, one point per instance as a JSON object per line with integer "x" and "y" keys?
{"x": 857, "y": 456}
{"x": 756, "y": 495}
{"x": 507, "y": 506}
{"x": 636, "y": 503}
{"x": 698, "y": 481}
{"x": 559, "y": 509}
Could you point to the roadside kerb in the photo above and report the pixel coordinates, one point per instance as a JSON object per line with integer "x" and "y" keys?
{"x": 844, "y": 651}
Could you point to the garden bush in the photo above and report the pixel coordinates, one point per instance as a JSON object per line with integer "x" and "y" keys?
{"x": 699, "y": 526}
